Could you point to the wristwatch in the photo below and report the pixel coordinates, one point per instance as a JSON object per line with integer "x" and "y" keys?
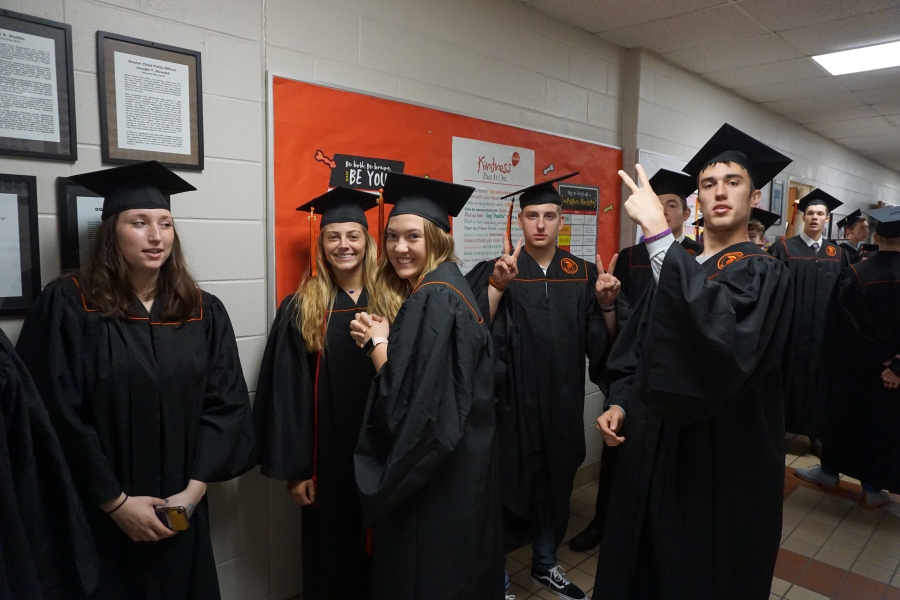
{"x": 370, "y": 345}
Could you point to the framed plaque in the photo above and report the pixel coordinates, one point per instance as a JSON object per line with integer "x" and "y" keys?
{"x": 776, "y": 202}
{"x": 37, "y": 88}
{"x": 151, "y": 102}
{"x": 20, "y": 261}
{"x": 79, "y": 213}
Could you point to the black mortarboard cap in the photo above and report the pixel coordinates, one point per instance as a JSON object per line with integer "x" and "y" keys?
{"x": 541, "y": 193}
{"x": 729, "y": 144}
{"x": 851, "y": 219}
{"x": 672, "y": 182}
{"x": 141, "y": 185}
{"x": 818, "y": 196}
{"x": 887, "y": 220}
{"x": 758, "y": 215}
{"x": 430, "y": 199}
{"x": 342, "y": 205}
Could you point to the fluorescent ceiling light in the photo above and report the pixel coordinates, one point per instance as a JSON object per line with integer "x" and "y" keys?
{"x": 882, "y": 56}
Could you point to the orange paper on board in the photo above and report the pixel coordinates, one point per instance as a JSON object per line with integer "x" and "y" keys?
{"x": 318, "y": 131}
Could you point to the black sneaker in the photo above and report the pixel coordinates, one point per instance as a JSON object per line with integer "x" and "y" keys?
{"x": 554, "y": 580}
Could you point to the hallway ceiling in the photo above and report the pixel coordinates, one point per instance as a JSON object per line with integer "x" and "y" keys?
{"x": 761, "y": 49}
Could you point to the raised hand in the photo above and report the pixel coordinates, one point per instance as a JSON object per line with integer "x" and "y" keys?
{"x": 506, "y": 269}
{"x": 607, "y": 288}
{"x": 643, "y": 206}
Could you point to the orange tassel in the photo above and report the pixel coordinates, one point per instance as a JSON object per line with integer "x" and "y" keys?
{"x": 312, "y": 242}
{"x": 509, "y": 224}
{"x": 380, "y": 220}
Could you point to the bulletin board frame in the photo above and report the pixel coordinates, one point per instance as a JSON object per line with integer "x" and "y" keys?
{"x": 426, "y": 159}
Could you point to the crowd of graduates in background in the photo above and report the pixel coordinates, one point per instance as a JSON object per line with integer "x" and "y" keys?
{"x": 427, "y": 421}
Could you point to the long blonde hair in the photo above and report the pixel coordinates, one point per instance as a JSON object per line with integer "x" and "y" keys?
{"x": 390, "y": 289}
{"x": 315, "y": 296}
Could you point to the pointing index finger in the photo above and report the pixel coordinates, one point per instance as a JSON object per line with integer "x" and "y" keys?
{"x": 628, "y": 181}
{"x": 612, "y": 263}
{"x": 600, "y": 264}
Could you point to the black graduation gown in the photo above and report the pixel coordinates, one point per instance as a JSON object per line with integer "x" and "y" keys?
{"x": 142, "y": 406}
{"x": 46, "y": 548}
{"x": 426, "y": 462}
{"x": 862, "y": 333}
{"x": 805, "y": 381}
{"x": 696, "y": 503}
{"x": 634, "y": 272}
{"x": 544, "y": 327}
{"x": 853, "y": 253}
{"x": 308, "y": 411}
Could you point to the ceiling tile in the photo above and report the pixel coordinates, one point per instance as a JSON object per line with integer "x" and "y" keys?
{"x": 880, "y": 96}
{"x": 853, "y": 32}
{"x": 865, "y": 132}
{"x": 779, "y": 15}
{"x": 804, "y": 88}
{"x": 891, "y": 108}
{"x": 894, "y": 119}
{"x": 821, "y": 115}
{"x": 604, "y": 15}
{"x": 734, "y": 54}
{"x": 719, "y": 24}
{"x": 801, "y": 104}
{"x": 836, "y": 127}
{"x": 871, "y": 79}
{"x": 776, "y": 72}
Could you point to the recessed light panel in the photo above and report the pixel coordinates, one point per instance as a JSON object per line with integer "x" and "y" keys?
{"x": 882, "y": 56}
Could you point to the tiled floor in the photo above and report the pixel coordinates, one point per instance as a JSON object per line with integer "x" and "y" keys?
{"x": 831, "y": 547}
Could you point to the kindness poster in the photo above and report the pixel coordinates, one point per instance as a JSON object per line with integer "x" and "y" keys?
{"x": 325, "y": 137}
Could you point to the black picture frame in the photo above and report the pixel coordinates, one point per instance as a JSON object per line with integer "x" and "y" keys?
{"x": 29, "y": 263}
{"x": 776, "y": 201}
{"x": 111, "y": 153}
{"x": 61, "y": 33}
{"x": 68, "y": 195}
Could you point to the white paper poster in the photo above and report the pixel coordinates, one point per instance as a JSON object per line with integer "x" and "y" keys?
{"x": 90, "y": 210}
{"x": 29, "y": 106}
{"x": 494, "y": 170}
{"x": 10, "y": 257}
{"x": 152, "y": 104}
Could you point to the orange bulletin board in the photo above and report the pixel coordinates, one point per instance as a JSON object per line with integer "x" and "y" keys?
{"x": 323, "y": 136}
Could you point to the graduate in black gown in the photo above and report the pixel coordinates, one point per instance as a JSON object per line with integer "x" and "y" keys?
{"x": 695, "y": 400}
{"x": 862, "y": 352}
{"x": 633, "y": 271}
{"x": 139, "y": 370}
{"x": 855, "y": 230}
{"x": 550, "y": 310}
{"x": 311, "y": 396}
{"x": 46, "y": 548}
{"x": 815, "y": 263}
{"x": 760, "y": 222}
{"x": 426, "y": 462}
{"x": 633, "y": 267}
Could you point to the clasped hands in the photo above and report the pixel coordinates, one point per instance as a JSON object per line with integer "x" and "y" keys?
{"x": 889, "y": 379}
{"x": 365, "y": 326}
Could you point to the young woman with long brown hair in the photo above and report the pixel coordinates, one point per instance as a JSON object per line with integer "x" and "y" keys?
{"x": 426, "y": 460}
{"x": 140, "y": 373}
{"x": 312, "y": 393}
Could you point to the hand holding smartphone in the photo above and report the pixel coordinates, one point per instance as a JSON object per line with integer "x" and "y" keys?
{"x": 173, "y": 517}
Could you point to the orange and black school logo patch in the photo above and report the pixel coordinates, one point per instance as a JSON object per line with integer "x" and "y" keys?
{"x": 830, "y": 250}
{"x": 691, "y": 252}
{"x": 729, "y": 258}
{"x": 569, "y": 266}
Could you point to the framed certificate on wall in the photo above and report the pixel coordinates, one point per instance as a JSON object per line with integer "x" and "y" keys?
{"x": 151, "y": 102}
{"x": 79, "y": 212}
{"x": 37, "y": 88}
{"x": 20, "y": 261}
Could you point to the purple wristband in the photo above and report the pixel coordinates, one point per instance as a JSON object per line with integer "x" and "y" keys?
{"x": 658, "y": 236}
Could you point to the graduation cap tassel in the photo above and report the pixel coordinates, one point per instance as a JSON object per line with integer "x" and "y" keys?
{"x": 312, "y": 242}
{"x": 380, "y": 220}
{"x": 509, "y": 225}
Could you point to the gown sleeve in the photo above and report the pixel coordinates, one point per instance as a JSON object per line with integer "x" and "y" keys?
{"x": 851, "y": 339}
{"x": 419, "y": 403}
{"x": 225, "y": 442}
{"x": 50, "y": 345}
{"x": 283, "y": 411}
{"x": 596, "y": 333}
{"x": 712, "y": 337}
{"x": 478, "y": 281}
{"x": 779, "y": 251}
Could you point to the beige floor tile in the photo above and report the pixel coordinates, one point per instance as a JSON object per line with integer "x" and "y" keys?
{"x": 842, "y": 548}
{"x": 570, "y": 557}
{"x": 816, "y": 527}
{"x": 798, "y": 593}
{"x": 779, "y": 586}
{"x": 523, "y": 555}
{"x": 850, "y": 537}
{"x": 795, "y": 545}
{"x": 578, "y": 523}
{"x": 524, "y": 581}
{"x": 896, "y": 580}
{"x": 806, "y": 461}
{"x": 518, "y": 591}
{"x": 824, "y": 518}
{"x": 879, "y": 560}
{"x": 808, "y": 537}
{"x": 857, "y": 527}
{"x": 871, "y": 571}
{"x": 589, "y": 513}
{"x": 774, "y": 597}
{"x": 886, "y": 547}
{"x": 793, "y": 516}
{"x": 589, "y": 566}
{"x": 835, "y": 559}
{"x": 570, "y": 533}
{"x": 787, "y": 529}
{"x": 513, "y": 566}
{"x": 585, "y": 497}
